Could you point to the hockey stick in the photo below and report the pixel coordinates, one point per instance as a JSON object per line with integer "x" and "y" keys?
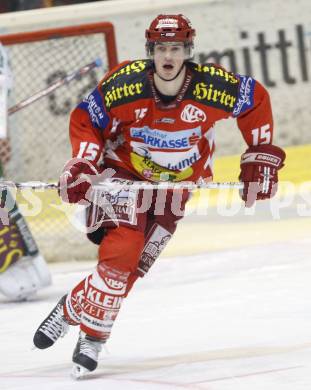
{"x": 110, "y": 184}
{"x": 52, "y": 87}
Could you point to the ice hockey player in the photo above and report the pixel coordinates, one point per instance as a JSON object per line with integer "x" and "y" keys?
{"x": 151, "y": 119}
{"x": 23, "y": 270}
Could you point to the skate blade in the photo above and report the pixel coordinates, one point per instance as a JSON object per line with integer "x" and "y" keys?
{"x": 79, "y": 372}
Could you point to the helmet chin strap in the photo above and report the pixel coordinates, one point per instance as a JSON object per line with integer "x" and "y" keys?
{"x": 175, "y": 77}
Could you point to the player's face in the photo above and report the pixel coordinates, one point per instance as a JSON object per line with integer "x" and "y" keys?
{"x": 168, "y": 59}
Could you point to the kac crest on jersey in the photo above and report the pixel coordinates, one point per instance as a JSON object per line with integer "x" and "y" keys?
{"x": 192, "y": 114}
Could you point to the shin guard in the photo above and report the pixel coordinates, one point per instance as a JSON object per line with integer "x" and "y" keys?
{"x": 73, "y": 305}
{"x": 105, "y": 291}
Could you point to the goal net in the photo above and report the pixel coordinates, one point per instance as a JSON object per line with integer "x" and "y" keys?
{"x": 38, "y": 143}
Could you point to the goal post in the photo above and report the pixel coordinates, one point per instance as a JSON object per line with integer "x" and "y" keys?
{"x": 38, "y": 144}
{"x": 106, "y": 29}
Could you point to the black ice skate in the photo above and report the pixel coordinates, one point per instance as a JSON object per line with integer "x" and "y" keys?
{"x": 85, "y": 355}
{"x": 52, "y": 328}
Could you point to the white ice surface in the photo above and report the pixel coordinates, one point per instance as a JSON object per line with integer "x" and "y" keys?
{"x": 231, "y": 320}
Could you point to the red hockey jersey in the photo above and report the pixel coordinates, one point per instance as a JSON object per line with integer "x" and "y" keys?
{"x": 125, "y": 119}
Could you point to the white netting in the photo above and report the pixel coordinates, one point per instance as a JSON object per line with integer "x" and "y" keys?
{"x": 39, "y": 143}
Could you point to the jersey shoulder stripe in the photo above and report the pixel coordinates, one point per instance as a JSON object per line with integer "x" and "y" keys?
{"x": 213, "y": 73}
{"x": 215, "y": 87}
{"x": 127, "y": 83}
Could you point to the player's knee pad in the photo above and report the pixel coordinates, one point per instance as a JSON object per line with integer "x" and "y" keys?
{"x": 121, "y": 249}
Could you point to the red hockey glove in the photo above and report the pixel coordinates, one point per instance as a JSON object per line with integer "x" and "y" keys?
{"x": 76, "y": 180}
{"x": 259, "y": 172}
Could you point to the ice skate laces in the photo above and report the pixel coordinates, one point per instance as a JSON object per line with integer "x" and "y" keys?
{"x": 55, "y": 325}
{"x": 89, "y": 348}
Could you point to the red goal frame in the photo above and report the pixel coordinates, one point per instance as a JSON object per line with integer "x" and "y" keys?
{"x": 106, "y": 28}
